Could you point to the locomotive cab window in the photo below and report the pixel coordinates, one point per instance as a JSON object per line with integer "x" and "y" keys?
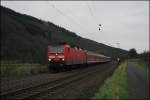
{"x": 56, "y": 49}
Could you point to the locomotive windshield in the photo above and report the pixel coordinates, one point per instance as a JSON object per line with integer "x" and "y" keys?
{"x": 56, "y": 49}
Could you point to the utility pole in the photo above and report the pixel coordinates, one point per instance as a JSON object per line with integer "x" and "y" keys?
{"x": 118, "y": 45}
{"x": 118, "y": 58}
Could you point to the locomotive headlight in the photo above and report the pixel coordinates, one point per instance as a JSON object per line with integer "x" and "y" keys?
{"x": 49, "y": 59}
{"x": 63, "y": 59}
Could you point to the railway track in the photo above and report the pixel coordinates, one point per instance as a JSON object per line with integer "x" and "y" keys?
{"x": 79, "y": 89}
{"x": 34, "y": 91}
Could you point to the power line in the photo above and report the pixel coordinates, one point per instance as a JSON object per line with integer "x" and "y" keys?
{"x": 67, "y": 16}
{"x": 90, "y": 10}
{"x": 92, "y": 15}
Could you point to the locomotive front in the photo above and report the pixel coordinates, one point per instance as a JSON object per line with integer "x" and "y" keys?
{"x": 56, "y": 56}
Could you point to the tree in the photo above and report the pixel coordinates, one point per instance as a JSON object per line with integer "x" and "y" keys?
{"x": 132, "y": 53}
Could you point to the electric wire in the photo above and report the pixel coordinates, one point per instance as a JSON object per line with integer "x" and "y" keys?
{"x": 92, "y": 15}
{"x": 70, "y": 18}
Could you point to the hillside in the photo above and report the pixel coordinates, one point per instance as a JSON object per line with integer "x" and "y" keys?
{"x": 25, "y": 38}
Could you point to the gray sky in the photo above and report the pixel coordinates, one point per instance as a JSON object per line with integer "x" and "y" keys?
{"x": 124, "y": 22}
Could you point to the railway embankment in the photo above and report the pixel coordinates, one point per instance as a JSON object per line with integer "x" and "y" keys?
{"x": 116, "y": 86}
{"x": 11, "y": 70}
{"x": 129, "y": 81}
{"x": 74, "y": 84}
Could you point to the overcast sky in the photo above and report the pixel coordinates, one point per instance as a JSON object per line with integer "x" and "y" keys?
{"x": 123, "y": 22}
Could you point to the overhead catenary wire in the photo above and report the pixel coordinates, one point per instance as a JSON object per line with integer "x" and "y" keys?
{"x": 68, "y": 17}
{"x": 92, "y": 15}
{"x": 90, "y": 10}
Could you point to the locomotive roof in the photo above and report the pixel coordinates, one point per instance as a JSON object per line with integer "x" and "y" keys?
{"x": 89, "y": 52}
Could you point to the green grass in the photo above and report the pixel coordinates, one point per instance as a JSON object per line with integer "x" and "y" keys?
{"x": 141, "y": 65}
{"x": 144, "y": 67}
{"x": 17, "y": 70}
{"x": 115, "y": 87}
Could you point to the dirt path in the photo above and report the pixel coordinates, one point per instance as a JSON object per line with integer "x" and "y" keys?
{"x": 138, "y": 82}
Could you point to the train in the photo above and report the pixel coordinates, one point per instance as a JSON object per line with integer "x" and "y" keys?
{"x": 63, "y": 56}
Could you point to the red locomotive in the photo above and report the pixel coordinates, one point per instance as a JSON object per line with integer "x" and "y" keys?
{"x": 61, "y": 56}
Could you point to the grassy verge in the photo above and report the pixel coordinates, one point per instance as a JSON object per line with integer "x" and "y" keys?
{"x": 16, "y": 70}
{"x": 116, "y": 87}
{"x": 141, "y": 65}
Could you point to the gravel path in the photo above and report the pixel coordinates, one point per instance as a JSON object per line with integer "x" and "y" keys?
{"x": 138, "y": 82}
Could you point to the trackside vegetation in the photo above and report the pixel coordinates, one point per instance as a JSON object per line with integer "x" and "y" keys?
{"x": 142, "y": 65}
{"x": 115, "y": 87}
{"x": 17, "y": 70}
